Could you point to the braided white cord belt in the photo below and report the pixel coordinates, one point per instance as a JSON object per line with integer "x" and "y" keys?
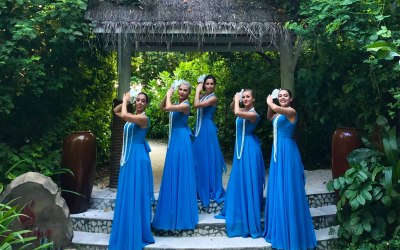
{"x": 171, "y": 116}
{"x": 199, "y": 118}
{"x": 275, "y": 135}
{"x": 239, "y": 155}
{"x": 125, "y": 154}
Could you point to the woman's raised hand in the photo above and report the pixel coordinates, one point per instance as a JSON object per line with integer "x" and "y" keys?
{"x": 236, "y": 98}
{"x": 199, "y": 87}
{"x": 269, "y": 100}
{"x": 126, "y": 97}
{"x": 170, "y": 91}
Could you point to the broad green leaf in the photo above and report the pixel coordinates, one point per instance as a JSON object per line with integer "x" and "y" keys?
{"x": 336, "y": 184}
{"x": 350, "y": 194}
{"x": 366, "y": 195}
{"x": 358, "y": 229}
{"x": 376, "y": 234}
{"x": 342, "y": 181}
{"x": 392, "y": 217}
{"x": 386, "y": 200}
{"x": 329, "y": 186}
{"x": 348, "y": 2}
{"x": 360, "y": 199}
{"x": 373, "y": 37}
{"x": 375, "y": 172}
{"x": 348, "y": 180}
{"x": 354, "y": 203}
{"x": 362, "y": 176}
{"x": 354, "y": 220}
{"x": 375, "y": 46}
{"x": 367, "y": 226}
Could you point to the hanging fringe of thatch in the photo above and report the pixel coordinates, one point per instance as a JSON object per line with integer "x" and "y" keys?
{"x": 189, "y": 20}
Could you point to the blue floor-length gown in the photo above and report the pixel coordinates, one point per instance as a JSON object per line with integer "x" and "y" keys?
{"x": 177, "y": 201}
{"x": 131, "y": 228}
{"x": 209, "y": 161}
{"x": 288, "y": 223}
{"x": 244, "y": 194}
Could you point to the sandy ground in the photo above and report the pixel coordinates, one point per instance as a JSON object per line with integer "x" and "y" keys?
{"x": 315, "y": 180}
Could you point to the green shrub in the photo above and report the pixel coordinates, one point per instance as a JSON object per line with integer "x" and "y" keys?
{"x": 369, "y": 190}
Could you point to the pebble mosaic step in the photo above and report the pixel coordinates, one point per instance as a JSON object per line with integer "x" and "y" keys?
{"x": 92, "y": 228}
{"x": 99, "y": 221}
{"x": 104, "y": 199}
{"x": 99, "y": 241}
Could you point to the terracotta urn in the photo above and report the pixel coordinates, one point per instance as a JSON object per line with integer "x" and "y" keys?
{"x": 78, "y": 155}
{"x": 344, "y": 140}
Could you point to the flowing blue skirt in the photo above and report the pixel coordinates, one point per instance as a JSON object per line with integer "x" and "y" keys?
{"x": 244, "y": 195}
{"x": 177, "y": 201}
{"x": 131, "y": 228}
{"x": 288, "y": 223}
{"x": 209, "y": 164}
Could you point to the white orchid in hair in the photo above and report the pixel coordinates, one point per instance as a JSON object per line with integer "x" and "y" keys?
{"x": 200, "y": 79}
{"x": 275, "y": 93}
{"x": 175, "y": 84}
{"x": 241, "y": 95}
{"x": 134, "y": 91}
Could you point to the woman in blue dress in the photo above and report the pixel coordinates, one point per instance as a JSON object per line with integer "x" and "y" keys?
{"x": 288, "y": 223}
{"x": 209, "y": 161}
{"x": 131, "y": 228}
{"x": 177, "y": 201}
{"x": 244, "y": 194}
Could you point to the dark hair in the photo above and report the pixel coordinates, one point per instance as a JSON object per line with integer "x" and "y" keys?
{"x": 288, "y": 90}
{"x": 147, "y": 97}
{"x": 249, "y": 90}
{"x": 209, "y": 77}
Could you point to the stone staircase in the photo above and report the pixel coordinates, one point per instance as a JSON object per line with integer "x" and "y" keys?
{"x": 92, "y": 228}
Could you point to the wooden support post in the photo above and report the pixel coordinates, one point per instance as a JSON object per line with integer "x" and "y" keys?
{"x": 124, "y": 78}
{"x": 124, "y": 64}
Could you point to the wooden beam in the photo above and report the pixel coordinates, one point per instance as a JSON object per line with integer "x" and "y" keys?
{"x": 206, "y": 48}
{"x": 230, "y": 32}
{"x": 124, "y": 64}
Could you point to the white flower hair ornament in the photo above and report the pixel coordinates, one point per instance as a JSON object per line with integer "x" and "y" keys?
{"x": 175, "y": 84}
{"x": 275, "y": 93}
{"x": 241, "y": 95}
{"x": 200, "y": 79}
{"x": 133, "y": 92}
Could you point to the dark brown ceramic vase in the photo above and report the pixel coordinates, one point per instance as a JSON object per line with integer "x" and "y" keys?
{"x": 78, "y": 155}
{"x": 344, "y": 141}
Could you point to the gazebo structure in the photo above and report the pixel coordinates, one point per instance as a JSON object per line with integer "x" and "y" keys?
{"x": 188, "y": 25}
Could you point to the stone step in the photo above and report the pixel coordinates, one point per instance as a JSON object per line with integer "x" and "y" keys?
{"x": 99, "y": 221}
{"x": 326, "y": 238}
{"x": 104, "y": 199}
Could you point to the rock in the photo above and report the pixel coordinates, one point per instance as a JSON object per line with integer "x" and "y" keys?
{"x": 49, "y": 217}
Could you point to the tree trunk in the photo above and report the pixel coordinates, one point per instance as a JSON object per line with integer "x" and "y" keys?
{"x": 288, "y": 60}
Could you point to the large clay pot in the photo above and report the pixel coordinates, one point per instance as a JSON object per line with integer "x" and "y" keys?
{"x": 78, "y": 155}
{"x": 344, "y": 141}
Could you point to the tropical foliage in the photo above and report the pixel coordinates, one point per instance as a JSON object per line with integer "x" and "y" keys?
{"x": 232, "y": 71}
{"x": 53, "y": 80}
{"x": 370, "y": 190}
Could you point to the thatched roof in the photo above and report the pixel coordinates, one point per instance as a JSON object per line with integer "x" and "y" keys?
{"x": 184, "y": 25}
